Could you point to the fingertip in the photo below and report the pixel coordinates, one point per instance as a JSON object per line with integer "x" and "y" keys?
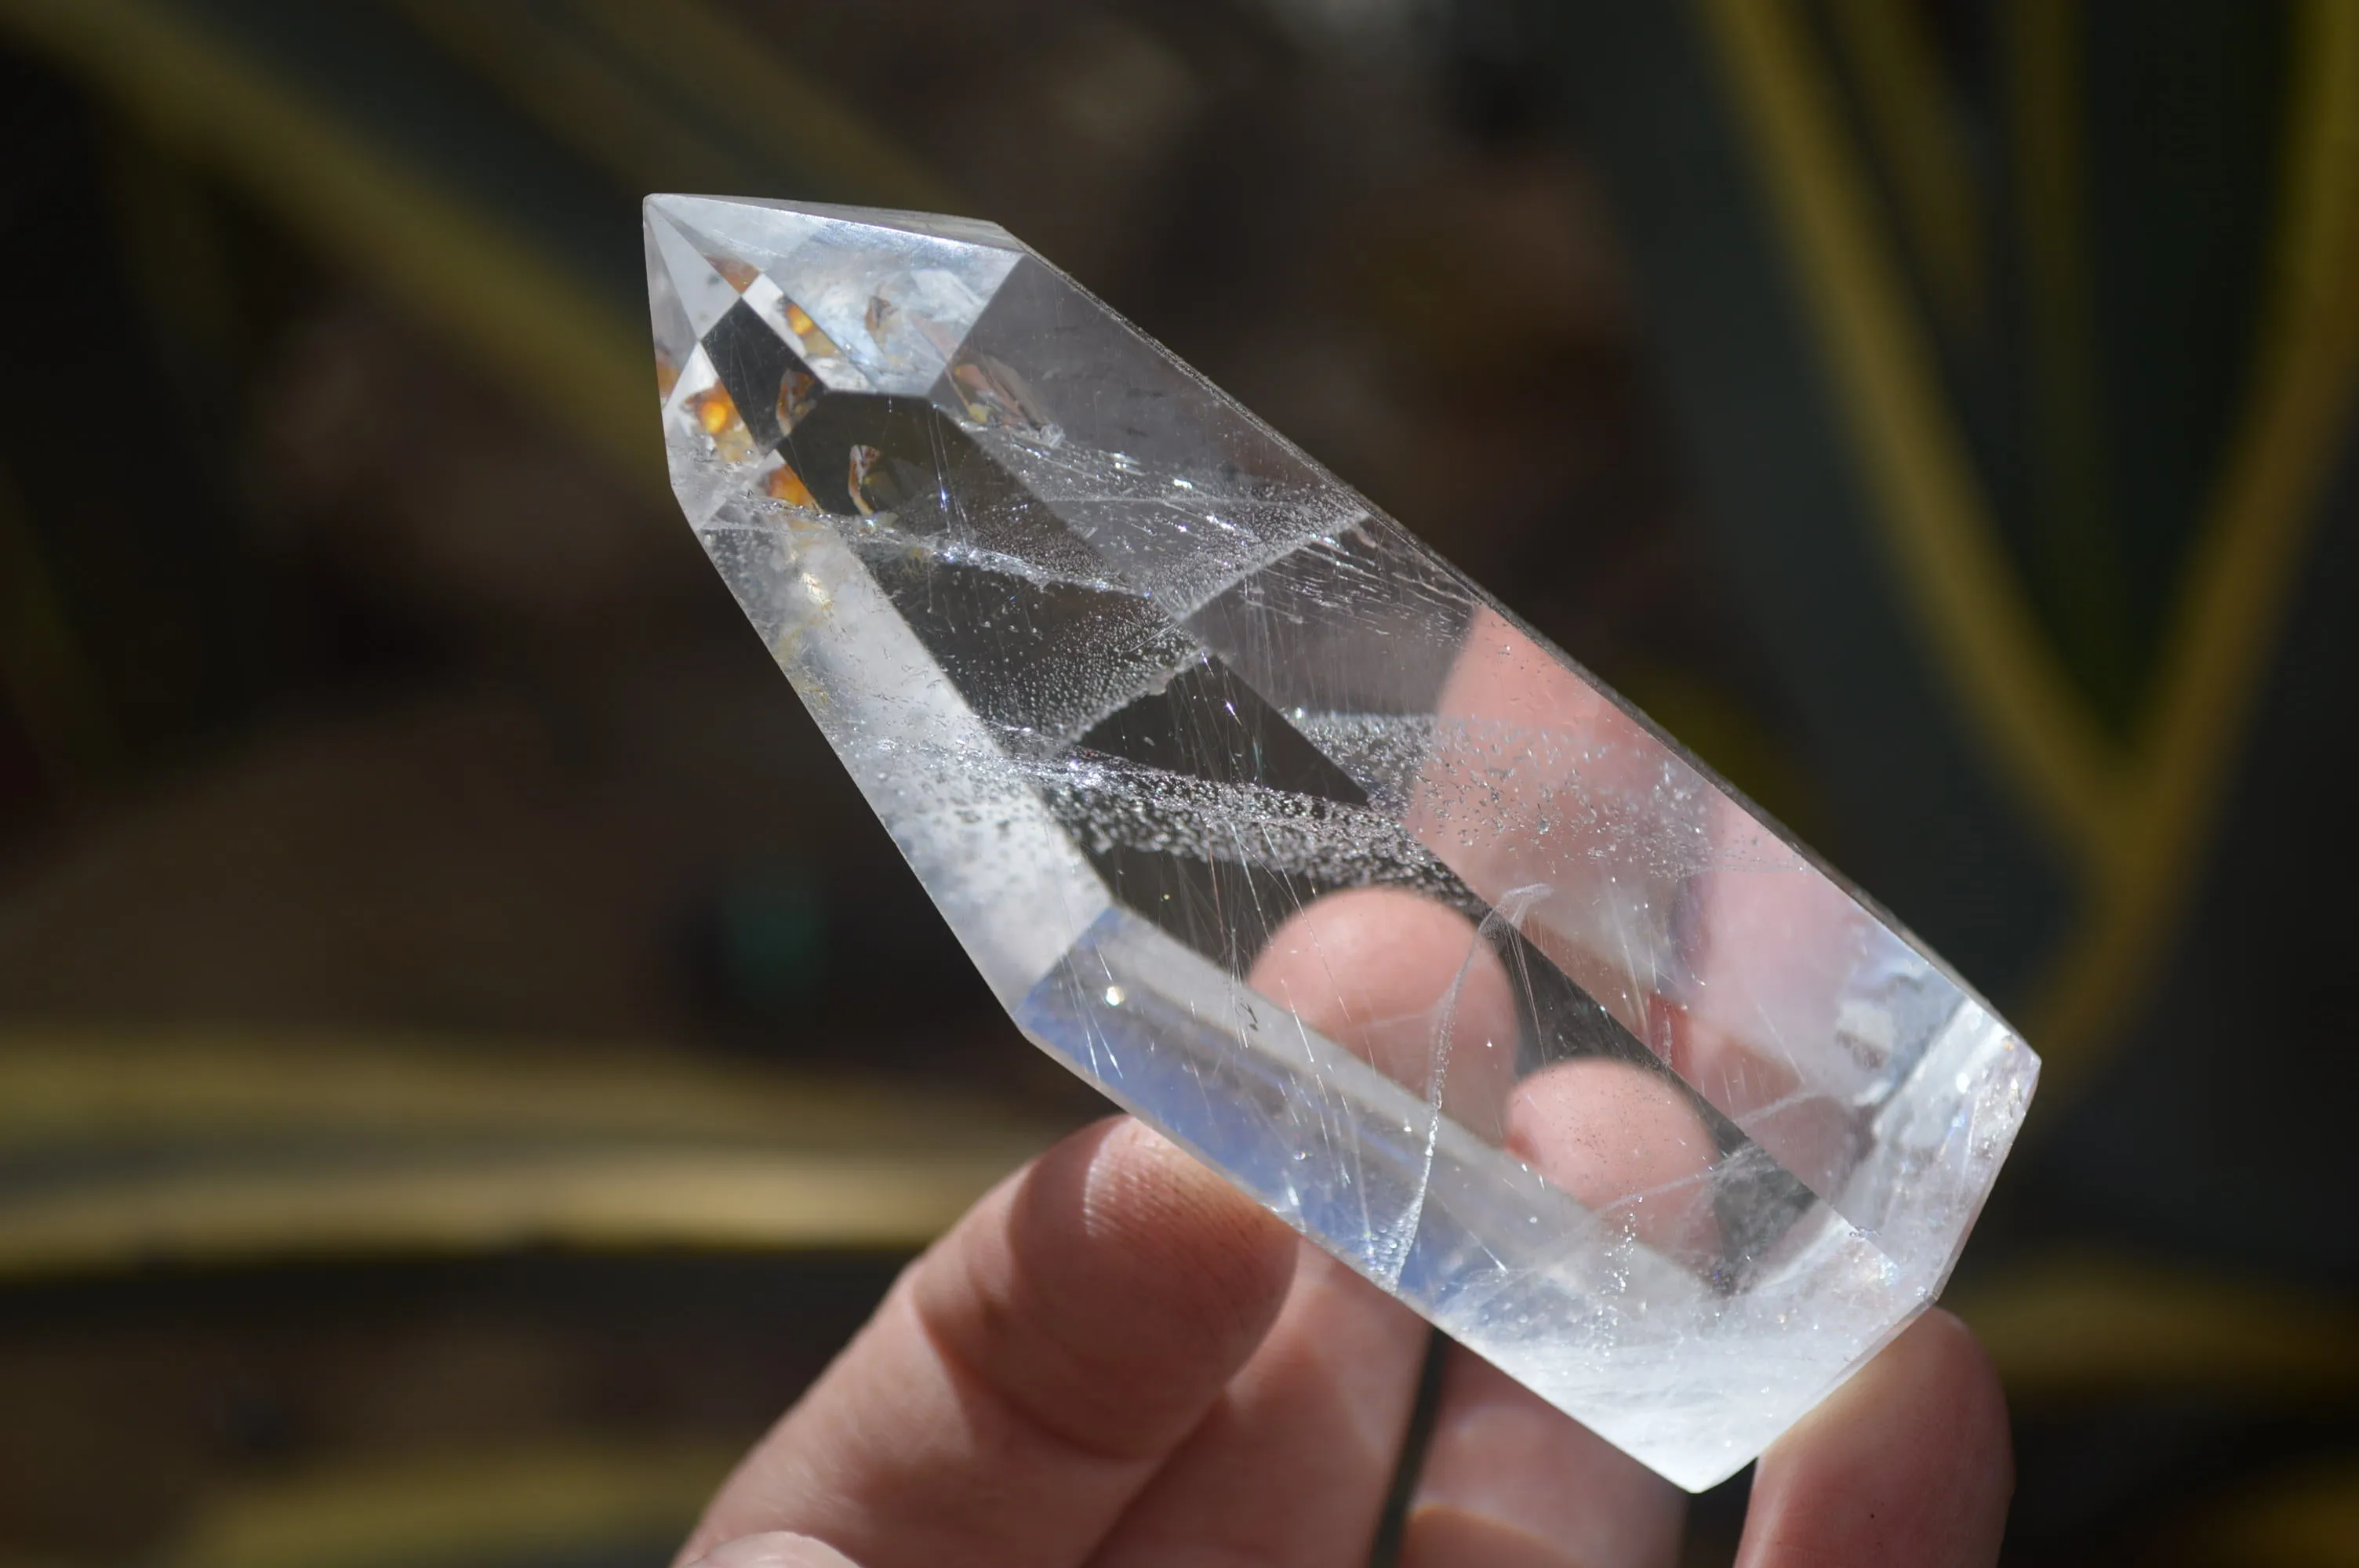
{"x": 777, "y": 1549}
{"x": 1123, "y": 1285}
{"x": 1150, "y": 1204}
{"x": 1934, "y": 1385}
{"x": 1910, "y": 1461}
{"x": 1408, "y": 984}
{"x": 1365, "y": 955}
{"x": 1626, "y": 1143}
{"x": 1946, "y": 1348}
{"x": 1510, "y": 1480}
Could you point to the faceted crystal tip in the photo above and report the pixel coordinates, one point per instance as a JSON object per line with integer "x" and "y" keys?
{"x": 1262, "y": 818}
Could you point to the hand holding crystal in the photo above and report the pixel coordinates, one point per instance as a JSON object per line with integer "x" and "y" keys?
{"x": 1117, "y": 1358}
{"x": 1577, "y": 1054}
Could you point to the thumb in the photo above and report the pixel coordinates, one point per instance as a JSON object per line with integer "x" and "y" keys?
{"x": 1028, "y": 1374}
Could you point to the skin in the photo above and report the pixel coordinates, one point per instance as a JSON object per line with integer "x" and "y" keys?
{"x": 1117, "y": 1359}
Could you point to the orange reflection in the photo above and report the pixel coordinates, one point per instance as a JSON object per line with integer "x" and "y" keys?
{"x": 816, "y": 343}
{"x": 716, "y": 414}
{"x": 798, "y": 395}
{"x": 785, "y": 485}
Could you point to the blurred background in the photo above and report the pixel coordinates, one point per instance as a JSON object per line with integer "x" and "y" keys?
{"x": 467, "y": 1056}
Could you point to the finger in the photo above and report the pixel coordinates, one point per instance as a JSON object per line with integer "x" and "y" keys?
{"x": 1909, "y": 1462}
{"x": 1409, "y": 986}
{"x": 1293, "y": 1462}
{"x": 776, "y": 1550}
{"x": 1762, "y": 1029}
{"x": 1510, "y": 1482}
{"x": 1536, "y": 780}
{"x": 1027, "y": 1375}
{"x": 1628, "y": 1144}
{"x": 1706, "y": 936}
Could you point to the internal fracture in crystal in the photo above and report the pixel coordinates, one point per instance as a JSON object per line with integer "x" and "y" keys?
{"x": 1264, "y": 819}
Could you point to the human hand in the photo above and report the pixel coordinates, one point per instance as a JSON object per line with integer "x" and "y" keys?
{"x": 1117, "y": 1358}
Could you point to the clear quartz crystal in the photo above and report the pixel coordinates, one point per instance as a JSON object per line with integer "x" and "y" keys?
{"x": 1685, "y": 1131}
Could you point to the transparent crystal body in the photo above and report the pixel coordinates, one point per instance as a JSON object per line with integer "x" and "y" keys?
{"x": 1687, "y": 1132}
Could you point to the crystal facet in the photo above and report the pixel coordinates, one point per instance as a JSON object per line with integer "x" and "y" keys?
{"x": 1262, "y": 818}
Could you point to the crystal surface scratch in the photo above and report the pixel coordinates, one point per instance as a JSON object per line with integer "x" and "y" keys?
{"x": 1656, "y": 1113}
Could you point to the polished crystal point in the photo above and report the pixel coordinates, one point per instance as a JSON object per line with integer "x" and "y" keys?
{"x": 1259, "y": 815}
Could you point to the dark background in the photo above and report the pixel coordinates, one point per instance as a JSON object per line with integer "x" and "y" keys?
{"x": 467, "y": 1053}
